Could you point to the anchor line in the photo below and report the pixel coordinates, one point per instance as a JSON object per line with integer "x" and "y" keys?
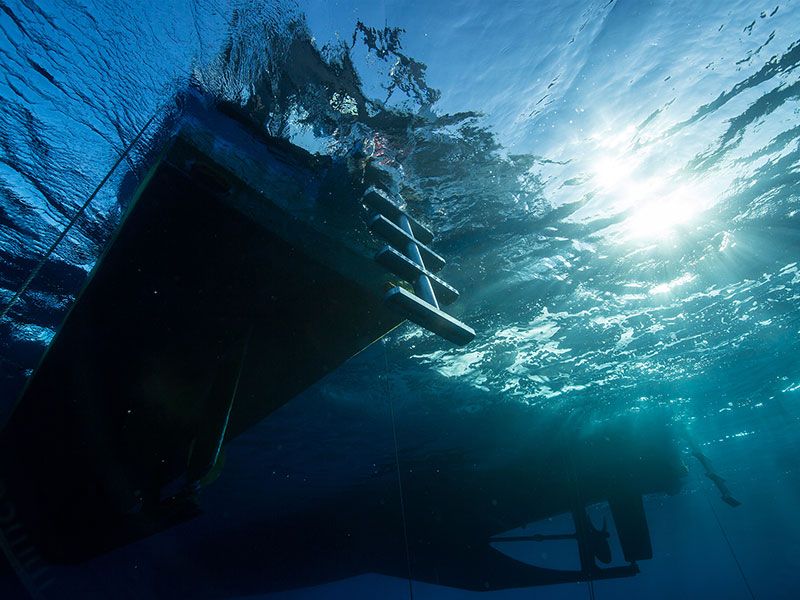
{"x": 577, "y": 500}
{"x": 399, "y": 476}
{"x": 730, "y": 546}
{"x": 81, "y": 209}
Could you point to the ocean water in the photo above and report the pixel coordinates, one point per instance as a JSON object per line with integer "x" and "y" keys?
{"x": 616, "y": 188}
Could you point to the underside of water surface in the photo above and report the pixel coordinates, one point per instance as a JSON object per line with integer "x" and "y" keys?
{"x": 613, "y": 188}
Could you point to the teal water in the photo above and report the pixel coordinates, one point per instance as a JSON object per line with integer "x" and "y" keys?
{"x": 614, "y": 185}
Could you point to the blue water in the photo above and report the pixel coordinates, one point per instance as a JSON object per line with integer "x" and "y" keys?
{"x": 614, "y": 185}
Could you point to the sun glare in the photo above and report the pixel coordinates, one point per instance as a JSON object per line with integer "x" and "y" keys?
{"x": 653, "y": 202}
{"x": 660, "y": 216}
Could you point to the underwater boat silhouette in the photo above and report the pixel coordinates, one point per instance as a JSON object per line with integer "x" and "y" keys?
{"x": 245, "y": 264}
{"x": 245, "y": 271}
{"x": 475, "y": 521}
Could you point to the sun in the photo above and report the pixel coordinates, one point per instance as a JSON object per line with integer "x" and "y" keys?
{"x": 661, "y": 216}
{"x": 652, "y": 203}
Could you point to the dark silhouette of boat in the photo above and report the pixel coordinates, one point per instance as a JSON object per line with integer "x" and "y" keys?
{"x": 245, "y": 271}
{"x": 465, "y": 518}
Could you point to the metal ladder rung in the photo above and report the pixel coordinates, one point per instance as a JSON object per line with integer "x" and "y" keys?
{"x": 404, "y": 267}
{"x": 379, "y": 202}
{"x": 400, "y": 239}
{"x": 428, "y": 316}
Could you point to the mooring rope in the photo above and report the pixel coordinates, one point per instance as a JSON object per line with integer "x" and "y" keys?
{"x": 24, "y": 287}
{"x": 579, "y": 506}
{"x": 730, "y": 545}
{"x": 399, "y": 476}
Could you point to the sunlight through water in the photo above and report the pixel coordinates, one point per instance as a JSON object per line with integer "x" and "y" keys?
{"x": 652, "y": 196}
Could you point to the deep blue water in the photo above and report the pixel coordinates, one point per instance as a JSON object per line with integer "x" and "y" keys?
{"x": 615, "y": 184}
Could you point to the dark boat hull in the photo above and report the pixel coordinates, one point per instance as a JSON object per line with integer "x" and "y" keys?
{"x": 193, "y": 304}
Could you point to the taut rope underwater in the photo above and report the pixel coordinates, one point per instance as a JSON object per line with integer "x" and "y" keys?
{"x": 43, "y": 260}
{"x": 397, "y": 465}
